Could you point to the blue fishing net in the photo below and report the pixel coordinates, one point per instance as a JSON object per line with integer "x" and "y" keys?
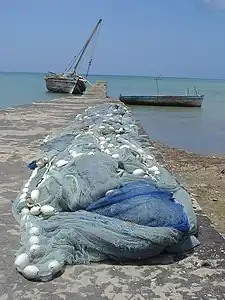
{"x": 96, "y": 193}
{"x": 142, "y": 203}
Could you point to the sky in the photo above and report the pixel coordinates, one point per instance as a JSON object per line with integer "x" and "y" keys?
{"x": 176, "y": 38}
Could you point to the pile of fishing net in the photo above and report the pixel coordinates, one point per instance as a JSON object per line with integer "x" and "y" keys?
{"x": 98, "y": 193}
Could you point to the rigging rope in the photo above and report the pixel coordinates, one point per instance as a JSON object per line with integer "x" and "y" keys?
{"x": 74, "y": 60}
{"x": 94, "y": 45}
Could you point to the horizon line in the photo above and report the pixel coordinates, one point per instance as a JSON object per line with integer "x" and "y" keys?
{"x": 122, "y": 75}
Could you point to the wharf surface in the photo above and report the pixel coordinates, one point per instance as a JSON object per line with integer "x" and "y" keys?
{"x": 196, "y": 275}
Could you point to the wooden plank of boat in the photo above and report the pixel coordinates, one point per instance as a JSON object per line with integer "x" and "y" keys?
{"x": 182, "y": 101}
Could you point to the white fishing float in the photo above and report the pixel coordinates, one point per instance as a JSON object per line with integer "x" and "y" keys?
{"x": 111, "y": 145}
{"x": 35, "y": 194}
{"x": 22, "y": 261}
{"x": 75, "y": 154}
{"x": 35, "y": 210}
{"x": 149, "y": 157}
{"x": 91, "y": 153}
{"x": 61, "y": 163}
{"x": 25, "y": 211}
{"x": 34, "y": 240}
{"x": 55, "y": 266}
{"x": 153, "y": 169}
{"x": 115, "y": 155}
{"x": 125, "y": 146}
{"x": 34, "y": 231}
{"x": 47, "y": 210}
{"x": 107, "y": 151}
{"x": 138, "y": 172}
{"x": 35, "y": 249}
{"x": 31, "y": 271}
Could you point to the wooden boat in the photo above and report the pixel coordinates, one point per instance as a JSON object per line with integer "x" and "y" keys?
{"x": 65, "y": 83}
{"x": 69, "y": 81}
{"x": 182, "y": 101}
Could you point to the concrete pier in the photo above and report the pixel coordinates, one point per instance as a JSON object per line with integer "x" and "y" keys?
{"x": 197, "y": 275}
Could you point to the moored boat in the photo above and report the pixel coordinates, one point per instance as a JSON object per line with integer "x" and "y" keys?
{"x": 158, "y": 100}
{"x": 69, "y": 81}
{"x": 65, "y": 83}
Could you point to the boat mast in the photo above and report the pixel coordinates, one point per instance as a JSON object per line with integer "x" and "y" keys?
{"x": 87, "y": 43}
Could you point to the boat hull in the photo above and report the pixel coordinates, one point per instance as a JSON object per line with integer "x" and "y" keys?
{"x": 64, "y": 85}
{"x": 186, "y": 101}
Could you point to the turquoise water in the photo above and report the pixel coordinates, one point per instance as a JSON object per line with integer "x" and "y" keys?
{"x": 193, "y": 129}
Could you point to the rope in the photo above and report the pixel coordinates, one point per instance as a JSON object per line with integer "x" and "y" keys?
{"x": 73, "y": 61}
{"x": 94, "y": 45}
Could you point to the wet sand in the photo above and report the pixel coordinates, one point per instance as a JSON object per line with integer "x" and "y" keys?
{"x": 196, "y": 275}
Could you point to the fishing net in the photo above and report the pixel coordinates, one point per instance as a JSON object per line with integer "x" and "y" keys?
{"x": 98, "y": 193}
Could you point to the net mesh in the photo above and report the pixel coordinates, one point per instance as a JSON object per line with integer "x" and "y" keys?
{"x": 98, "y": 193}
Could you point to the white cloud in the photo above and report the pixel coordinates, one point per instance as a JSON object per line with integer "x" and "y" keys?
{"x": 218, "y": 3}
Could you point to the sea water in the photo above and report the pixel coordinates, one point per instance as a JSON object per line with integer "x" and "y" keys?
{"x": 201, "y": 130}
